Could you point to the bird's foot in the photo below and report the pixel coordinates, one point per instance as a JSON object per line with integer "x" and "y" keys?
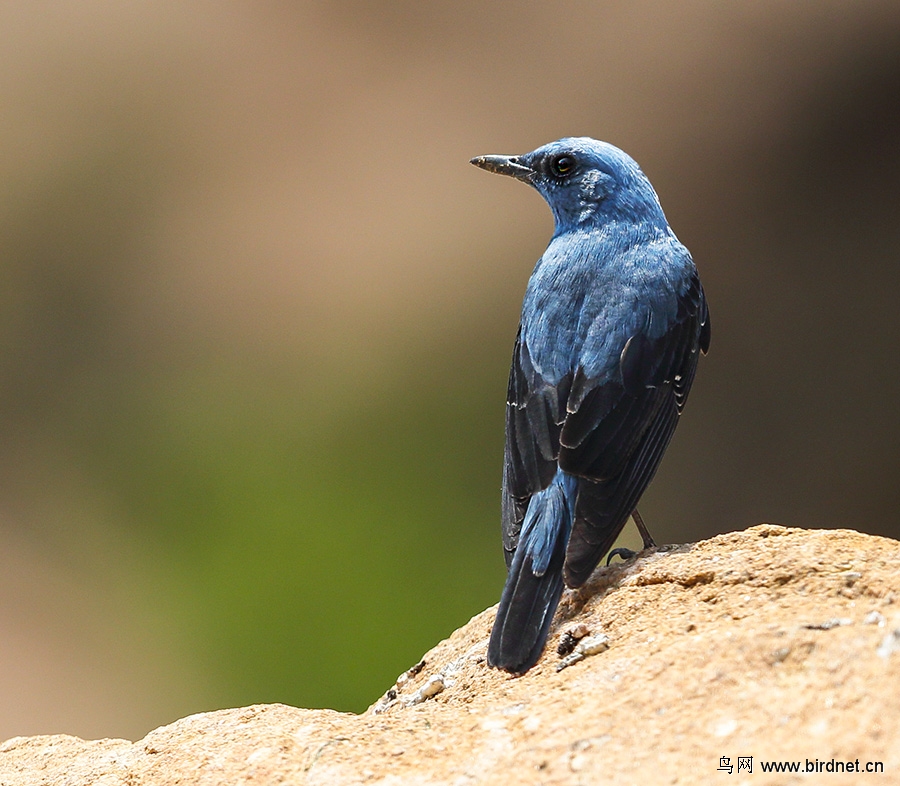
{"x": 625, "y": 554}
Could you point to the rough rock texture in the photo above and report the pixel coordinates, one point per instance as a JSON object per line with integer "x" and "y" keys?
{"x": 776, "y": 644}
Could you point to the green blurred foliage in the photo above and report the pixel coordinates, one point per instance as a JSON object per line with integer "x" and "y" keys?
{"x": 315, "y": 560}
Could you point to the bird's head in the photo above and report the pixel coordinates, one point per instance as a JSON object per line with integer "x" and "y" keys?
{"x": 585, "y": 182}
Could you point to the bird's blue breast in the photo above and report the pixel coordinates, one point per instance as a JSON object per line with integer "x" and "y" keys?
{"x": 593, "y": 289}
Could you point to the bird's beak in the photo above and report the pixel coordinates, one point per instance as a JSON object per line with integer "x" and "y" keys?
{"x": 505, "y": 165}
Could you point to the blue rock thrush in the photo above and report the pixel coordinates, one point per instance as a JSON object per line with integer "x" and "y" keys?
{"x": 613, "y": 321}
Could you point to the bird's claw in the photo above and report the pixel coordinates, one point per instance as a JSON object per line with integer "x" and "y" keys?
{"x": 625, "y": 554}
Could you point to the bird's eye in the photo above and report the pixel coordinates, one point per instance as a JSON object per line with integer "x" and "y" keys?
{"x": 562, "y": 165}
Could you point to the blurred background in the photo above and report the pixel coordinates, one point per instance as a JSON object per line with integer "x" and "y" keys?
{"x": 257, "y": 311}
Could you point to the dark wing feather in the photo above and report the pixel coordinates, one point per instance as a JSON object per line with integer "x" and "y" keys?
{"x": 535, "y": 412}
{"x": 603, "y": 507}
{"x": 615, "y": 439}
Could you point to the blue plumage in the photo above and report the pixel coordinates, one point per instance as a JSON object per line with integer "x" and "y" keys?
{"x": 613, "y": 320}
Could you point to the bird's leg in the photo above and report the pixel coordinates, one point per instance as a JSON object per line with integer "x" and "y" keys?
{"x": 649, "y": 543}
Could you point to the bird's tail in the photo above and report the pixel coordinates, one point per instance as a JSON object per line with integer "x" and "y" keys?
{"x": 534, "y": 584}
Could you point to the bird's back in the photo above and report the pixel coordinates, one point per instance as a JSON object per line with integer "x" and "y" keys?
{"x": 592, "y": 290}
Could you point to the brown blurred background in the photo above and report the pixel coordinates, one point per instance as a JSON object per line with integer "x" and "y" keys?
{"x": 257, "y": 310}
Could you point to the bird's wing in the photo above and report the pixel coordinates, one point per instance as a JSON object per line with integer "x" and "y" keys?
{"x": 612, "y": 435}
{"x": 615, "y": 432}
{"x": 535, "y": 412}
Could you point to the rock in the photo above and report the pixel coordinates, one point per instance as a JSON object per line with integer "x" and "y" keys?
{"x": 776, "y": 644}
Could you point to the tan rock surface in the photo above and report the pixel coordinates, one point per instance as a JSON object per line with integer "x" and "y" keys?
{"x": 780, "y": 644}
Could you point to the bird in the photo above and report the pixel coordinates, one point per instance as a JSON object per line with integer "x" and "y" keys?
{"x": 613, "y": 321}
